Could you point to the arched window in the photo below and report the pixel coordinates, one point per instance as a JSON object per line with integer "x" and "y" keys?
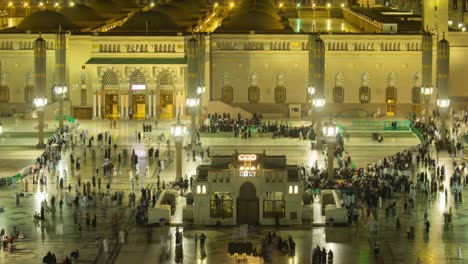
{"x": 364, "y": 95}
{"x": 364, "y": 90}
{"x": 109, "y": 79}
{"x": 416, "y": 96}
{"x": 254, "y": 94}
{"x": 228, "y": 94}
{"x": 338, "y": 90}
{"x": 390, "y": 95}
{"x": 253, "y": 91}
{"x": 280, "y": 89}
{"x": 280, "y": 94}
{"x": 165, "y": 78}
{"x": 137, "y": 77}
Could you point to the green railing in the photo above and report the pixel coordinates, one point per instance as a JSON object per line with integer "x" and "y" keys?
{"x": 399, "y": 125}
{"x": 383, "y": 125}
{"x": 66, "y": 118}
{"x": 417, "y": 132}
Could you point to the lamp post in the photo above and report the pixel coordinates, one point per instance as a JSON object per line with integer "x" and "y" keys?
{"x": 443, "y": 104}
{"x": 40, "y": 103}
{"x": 330, "y": 130}
{"x": 178, "y": 131}
{"x": 426, "y": 93}
{"x": 192, "y": 104}
{"x": 60, "y": 92}
{"x": 200, "y": 93}
{"x": 311, "y": 92}
{"x": 318, "y": 104}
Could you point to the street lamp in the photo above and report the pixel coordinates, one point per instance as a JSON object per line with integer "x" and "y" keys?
{"x": 60, "y": 92}
{"x": 318, "y": 104}
{"x": 330, "y": 130}
{"x": 178, "y": 131}
{"x": 192, "y": 104}
{"x": 443, "y": 103}
{"x": 40, "y": 103}
{"x": 426, "y": 93}
{"x": 200, "y": 93}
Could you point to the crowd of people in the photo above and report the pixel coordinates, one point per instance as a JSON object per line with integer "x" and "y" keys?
{"x": 243, "y": 127}
{"x": 411, "y": 171}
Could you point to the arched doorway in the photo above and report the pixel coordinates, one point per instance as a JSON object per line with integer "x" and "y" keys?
{"x": 138, "y": 94}
{"x": 110, "y": 93}
{"x": 166, "y": 95}
{"x": 247, "y": 205}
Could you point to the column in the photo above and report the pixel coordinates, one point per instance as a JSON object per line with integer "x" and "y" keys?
{"x": 318, "y": 144}
{"x": 149, "y": 99}
{"x": 99, "y": 106}
{"x": 200, "y": 112}
{"x": 183, "y": 107}
{"x": 178, "y": 147}
{"x": 193, "y": 133}
{"x": 176, "y": 100}
{"x": 126, "y": 105}
{"x": 122, "y": 114}
{"x": 40, "y": 113}
{"x": 155, "y": 114}
{"x": 94, "y": 105}
{"x": 330, "y": 145}
{"x": 61, "y": 110}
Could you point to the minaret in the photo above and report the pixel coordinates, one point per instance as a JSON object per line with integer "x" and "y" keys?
{"x": 193, "y": 65}
{"x": 60, "y": 70}
{"x": 426, "y": 49}
{"x": 320, "y": 67}
{"x": 311, "y": 53}
{"x": 201, "y": 43}
{"x": 60, "y": 58}
{"x": 317, "y": 78}
{"x": 443, "y": 61}
{"x": 435, "y": 16}
{"x": 40, "y": 53}
{"x": 201, "y": 76}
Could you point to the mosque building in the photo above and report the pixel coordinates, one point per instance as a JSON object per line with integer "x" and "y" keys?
{"x": 127, "y": 59}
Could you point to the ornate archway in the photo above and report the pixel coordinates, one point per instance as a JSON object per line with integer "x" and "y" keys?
{"x": 138, "y": 92}
{"x": 247, "y": 205}
{"x": 110, "y": 94}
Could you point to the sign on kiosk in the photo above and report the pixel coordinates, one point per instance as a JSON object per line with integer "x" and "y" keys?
{"x": 247, "y": 157}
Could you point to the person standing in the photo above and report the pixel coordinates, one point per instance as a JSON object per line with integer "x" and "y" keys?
{"x": 459, "y": 252}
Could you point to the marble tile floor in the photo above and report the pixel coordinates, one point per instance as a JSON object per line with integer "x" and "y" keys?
{"x": 351, "y": 245}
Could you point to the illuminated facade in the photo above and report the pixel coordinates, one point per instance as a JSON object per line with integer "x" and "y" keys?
{"x": 122, "y": 62}
{"x": 247, "y": 189}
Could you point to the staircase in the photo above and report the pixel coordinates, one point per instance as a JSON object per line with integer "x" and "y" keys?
{"x": 267, "y": 110}
{"x": 222, "y": 107}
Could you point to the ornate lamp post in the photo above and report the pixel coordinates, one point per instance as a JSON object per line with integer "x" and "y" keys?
{"x": 200, "y": 93}
{"x": 443, "y": 104}
{"x": 40, "y": 103}
{"x": 60, "y": 91}
{"x": 426, "y": 93}
{"x": 178, "y": 131}
{"x": 318, "y": 104}
{"x": 330, "y": 130}
{"x": 192, "y": 104}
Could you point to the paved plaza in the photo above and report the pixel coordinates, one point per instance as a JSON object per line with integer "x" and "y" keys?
{"x": 349, "y": 244}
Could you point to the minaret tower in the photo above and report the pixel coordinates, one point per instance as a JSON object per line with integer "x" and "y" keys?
{"x": 435, "y": 17}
